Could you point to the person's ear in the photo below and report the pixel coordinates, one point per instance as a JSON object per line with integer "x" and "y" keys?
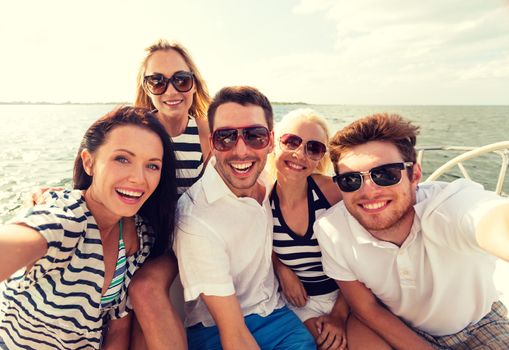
{"x": 417, "y": 173}
{"x": 88, "y": 162}
{"x": 271, "y": 144}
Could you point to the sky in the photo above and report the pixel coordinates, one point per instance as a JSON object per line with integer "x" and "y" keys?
{"x": 362, "y": 52}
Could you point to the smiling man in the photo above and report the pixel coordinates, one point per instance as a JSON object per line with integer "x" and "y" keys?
{"x": 414, "y": 261}
{"x": 224, "y": 237}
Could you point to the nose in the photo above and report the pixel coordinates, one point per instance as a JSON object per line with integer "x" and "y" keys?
{"x": 241, "y": 148}
{"x": 299, "y": 152}
{"x": 368, "y": 184}
{"x": 137, "y": 174}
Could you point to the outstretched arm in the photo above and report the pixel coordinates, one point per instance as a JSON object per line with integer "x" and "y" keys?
{"x": 20, "y": 246}
{"x": 387, "y": 325}
{"x": 492, "y": 231}
{"x": 229, "y": 320}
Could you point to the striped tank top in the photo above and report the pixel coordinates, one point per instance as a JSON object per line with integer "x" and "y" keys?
{"x": 302, "y": 253}
{"x": 189, "y": 156}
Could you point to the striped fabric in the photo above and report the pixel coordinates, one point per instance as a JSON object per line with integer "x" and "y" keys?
{"x": 189, "y": 156}
{"x": 57, "y": 303}
{"x": 302, "y": 253}
{"x": 113, "y": 292}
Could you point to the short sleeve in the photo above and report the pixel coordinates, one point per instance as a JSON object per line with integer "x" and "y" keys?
{"x": 61, "y": 222}
{"x": 452, "y": 216}
{"x": 333, "y": 255}
{"x": 203, "y": 259}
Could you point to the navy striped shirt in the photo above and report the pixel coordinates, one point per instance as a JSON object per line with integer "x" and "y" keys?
{"x": 302, "y": 253}
{"x": 189, "y": 156}
{"x": 56, "y": 304}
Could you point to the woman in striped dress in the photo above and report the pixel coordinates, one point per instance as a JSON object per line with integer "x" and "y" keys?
{"x": 301, "y": 193}
{"x": 169, "y": 83}
{"x": 66, "y": 264}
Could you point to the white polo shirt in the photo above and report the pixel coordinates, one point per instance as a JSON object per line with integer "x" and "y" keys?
{"x": 224, "y": 246}
{"x": 439, "y": 280}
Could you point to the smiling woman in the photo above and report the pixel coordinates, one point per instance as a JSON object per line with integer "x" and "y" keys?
{"x": 96, "y": 236}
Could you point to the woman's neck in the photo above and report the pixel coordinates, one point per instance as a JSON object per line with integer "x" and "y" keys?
{"x": 174, "y": 126}
{"x": 105, "y": 219}
{"x": 291, "y": 192}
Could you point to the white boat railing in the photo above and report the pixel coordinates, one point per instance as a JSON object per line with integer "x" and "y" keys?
{"x": 500, "y": 148}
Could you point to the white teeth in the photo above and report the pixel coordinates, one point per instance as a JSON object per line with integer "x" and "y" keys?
{"x": 129, "y": 193}
{"x": 372, "y": 206}
{"x": 242, "y": 166}
{"x": 294, "y": 166}
{"x": 172, "y": 103}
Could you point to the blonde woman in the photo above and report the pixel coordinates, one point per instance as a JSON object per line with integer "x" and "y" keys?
{"x": 302, "y": 192}
{"x": 170, "y": 84}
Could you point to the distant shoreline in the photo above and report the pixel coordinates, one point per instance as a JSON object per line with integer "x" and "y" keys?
{"x": 109, "y": 103}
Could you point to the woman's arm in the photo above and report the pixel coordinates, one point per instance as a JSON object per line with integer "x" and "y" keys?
{"x": 292, "y": 287}
{"x": 20, "y": 246}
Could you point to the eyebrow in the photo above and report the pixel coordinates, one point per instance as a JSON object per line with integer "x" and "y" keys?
{"x": 133, "y": 154}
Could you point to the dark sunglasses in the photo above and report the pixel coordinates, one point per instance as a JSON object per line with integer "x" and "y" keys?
{"x": 256, "y": 137}
{"x": 382, "y": 175}
{"x": 314, "y": 149}
{"x": 157, "y": 84}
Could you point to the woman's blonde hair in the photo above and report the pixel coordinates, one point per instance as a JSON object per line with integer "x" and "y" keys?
{"x": 201, "y": 98}
{"x": 307, "y": 114}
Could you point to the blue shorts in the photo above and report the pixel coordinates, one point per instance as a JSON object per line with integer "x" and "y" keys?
{"x": 281, "y": 330}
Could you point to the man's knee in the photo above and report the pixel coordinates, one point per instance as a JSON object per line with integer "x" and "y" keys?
{"x": 153, "y": 280}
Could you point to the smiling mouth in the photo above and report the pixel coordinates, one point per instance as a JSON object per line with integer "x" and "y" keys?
{"x": 172, "y": 103}
{"x": 129, "y": 194}
{"x": 242, "y": 168}
{"x": 374, "y": 205}
{"x": 294, "y": 166}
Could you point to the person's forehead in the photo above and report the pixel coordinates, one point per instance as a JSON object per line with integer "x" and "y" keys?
{"x": 233, "y": 114}
{"x": 366, "y": 156}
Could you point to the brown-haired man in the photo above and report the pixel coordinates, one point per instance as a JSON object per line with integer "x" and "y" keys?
{"x": 414, "y": 261}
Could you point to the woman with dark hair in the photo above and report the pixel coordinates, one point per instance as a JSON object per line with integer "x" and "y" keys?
{"x": 66, "y": 264}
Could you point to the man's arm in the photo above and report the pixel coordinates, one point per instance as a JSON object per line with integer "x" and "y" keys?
{"x": 492, "y": 231}
{"x": 229, "y": 320}
{"x": 387, "y": 325}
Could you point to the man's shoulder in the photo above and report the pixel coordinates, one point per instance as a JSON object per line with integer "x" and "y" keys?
{"x": 334, "y": 221}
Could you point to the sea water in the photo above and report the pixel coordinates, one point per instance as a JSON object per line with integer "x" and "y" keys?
{"x": 38, "y": 143}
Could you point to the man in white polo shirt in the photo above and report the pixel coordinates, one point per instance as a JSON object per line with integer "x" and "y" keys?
{"x": 224, "y": 237}
{"x": 414, "y": 261}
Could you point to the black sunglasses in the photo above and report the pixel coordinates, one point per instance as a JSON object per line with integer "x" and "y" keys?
{"x": 382, "y": 175}
{"x": 314, "y": 149}
{"x": 157, "y": 84}
{"x": 256, "y": 137}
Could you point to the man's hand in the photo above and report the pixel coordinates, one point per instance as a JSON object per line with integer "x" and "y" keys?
{"x": 331, "y": 332}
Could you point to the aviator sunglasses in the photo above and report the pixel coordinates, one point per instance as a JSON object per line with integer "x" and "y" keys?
{"x": 157, "y": 84}
{"x": 382, "y": 175}
{"x": 256, "y": 137}
{"x": 313, "y": 149}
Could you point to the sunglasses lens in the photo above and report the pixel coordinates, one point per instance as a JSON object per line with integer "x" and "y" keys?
{"x": 349, "y": 182}
{"x": 224, "y": 139}
{"x": 256, "y": 137}
{"x": 182, "y": 81}
{"x": 315, "y": 150}
{"x": 156, "y": 84}
{"x": 290, "y": 142}
{"x": 386, "y": 175}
